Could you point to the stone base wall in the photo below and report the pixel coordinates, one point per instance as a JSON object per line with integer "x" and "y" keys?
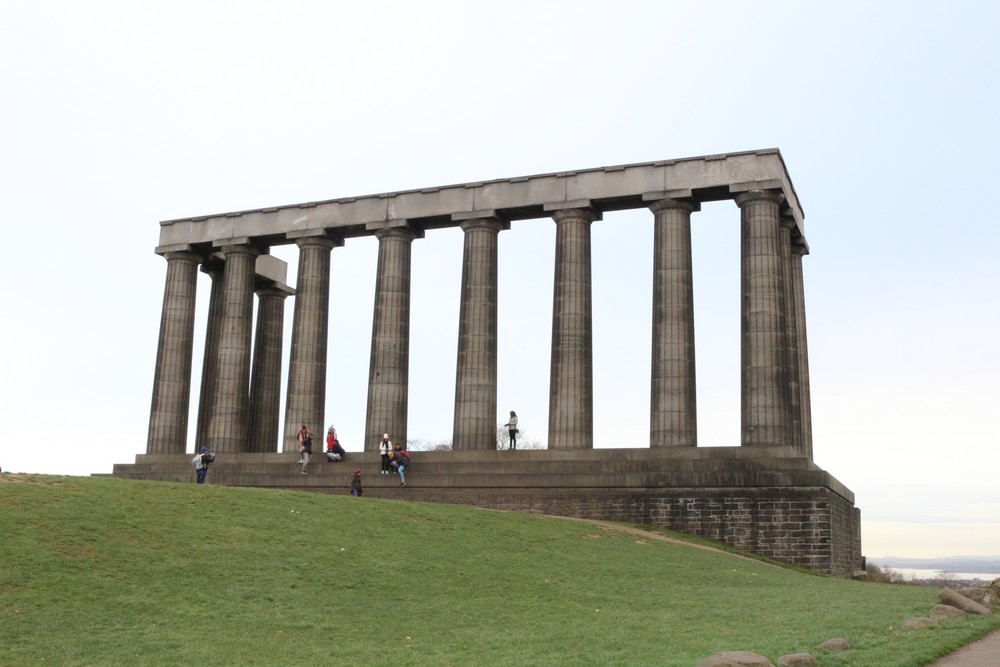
{"x": 764, "y": 500}
{"x": 797, "y": 526}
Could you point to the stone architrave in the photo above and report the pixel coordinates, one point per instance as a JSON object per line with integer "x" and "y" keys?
{"x": 764, "y": 346}
{"x": 571, "y": 383}
{"x": 673, "y": 411}
{"x": 306, "y": 397}
{"x": 227, "y": 429}
{"x": 215, "y": 270}
{"x": 168, "y": 415}
{"x": 475, "y": 424}
{"x": 265, "y": 379}
{"x": 799, "y": 248}
{"x": 389, "y": 369}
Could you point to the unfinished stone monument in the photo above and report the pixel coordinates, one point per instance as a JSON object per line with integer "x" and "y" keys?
{"x": 765, "y": 494}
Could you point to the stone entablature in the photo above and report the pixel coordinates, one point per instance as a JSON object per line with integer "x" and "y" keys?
{"x": 614, "y": 188}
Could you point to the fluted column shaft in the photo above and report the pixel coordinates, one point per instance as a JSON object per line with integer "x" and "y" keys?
{"x": 215, "y": 271}
{"x": 673, "y": 411}
{"x": 227, "y": 429}
{"x": 791, "y": 338}
{"x": 805, "y": 400}
{"x": 168, "y": 413}
{"x": 389, "y": 369}
{"x": 571, "y": 383}
{"x": 476, "y": 371}
{"x": 765, "y": 391}
{"x": 265, "y": 380}
{"x": 306, "y": 397}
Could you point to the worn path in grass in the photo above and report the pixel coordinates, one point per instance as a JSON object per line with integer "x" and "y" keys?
{"x": 982, "y": 653}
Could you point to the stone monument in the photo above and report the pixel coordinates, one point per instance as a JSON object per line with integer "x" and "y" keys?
{"x": 765, "y": 494}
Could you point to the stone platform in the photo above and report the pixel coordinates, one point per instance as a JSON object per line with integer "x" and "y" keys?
{"x": 767, "y": 500}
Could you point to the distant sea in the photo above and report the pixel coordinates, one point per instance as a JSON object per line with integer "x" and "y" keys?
{"x": 985, "y": 568}
{"x": 920, "y": 573}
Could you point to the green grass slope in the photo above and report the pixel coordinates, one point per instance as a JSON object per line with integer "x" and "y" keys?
{"x": 102, "y": 571}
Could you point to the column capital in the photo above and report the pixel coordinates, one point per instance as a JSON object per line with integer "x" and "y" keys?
{"x": 318, "y": 242}
{"x": 213, "y": 264}
{"x": 182, "y": 256}
{"x": 585, "y": 214}
{"x": 671, "y": 203}
{"x": 403, "y": 232}
{"x": 273, "y": 290}
{"x": 241, "y": 249}
{"x": 759, "y": 195}
{"x": 495, "y": 225}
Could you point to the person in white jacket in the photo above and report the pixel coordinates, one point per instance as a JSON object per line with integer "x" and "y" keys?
{"x": 512, "y": 430}
{"x": 384, "y": 448}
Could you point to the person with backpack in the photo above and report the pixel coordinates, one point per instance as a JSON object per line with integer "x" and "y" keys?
{"x": 200, "y": 463}
{"x": 306, "y": 449}
{"x": 300, "y": 436}
{"x": 401, "y": 461}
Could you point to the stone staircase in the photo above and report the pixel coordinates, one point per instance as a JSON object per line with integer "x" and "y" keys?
{"x": 435, "y": 475}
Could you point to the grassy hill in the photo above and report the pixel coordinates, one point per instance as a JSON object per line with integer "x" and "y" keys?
{"x": 99, "y": 571}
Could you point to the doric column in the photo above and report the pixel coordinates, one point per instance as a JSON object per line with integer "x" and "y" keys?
{"x": 168, "y": 414}
{"x": 306, "y": 397}
{"x": 476, "y": 371}
{"x": 265, "y": 379}
{"x": 571, "y": 383}
{"x": 799, "y": 249}
{"x": 765, "y": 392}
{"x": 215, "y": 269}
{"x": 673, "y": 412}
{"x": 227, "y": 428}
{"x": 389, "y": 369}
{"x": 791, "y": 337}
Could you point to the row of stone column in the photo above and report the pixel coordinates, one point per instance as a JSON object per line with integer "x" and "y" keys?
{"x": 775, "y": 386}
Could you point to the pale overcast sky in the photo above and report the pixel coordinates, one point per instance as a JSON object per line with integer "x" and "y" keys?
{"x": 116, "y": 115}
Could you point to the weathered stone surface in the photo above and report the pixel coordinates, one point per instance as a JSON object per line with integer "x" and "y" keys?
{"x": 917, "y": 623}
{"x": 798, "y": 660}
{"x": 735, "y": 659}
{"x": 946, "y": 611}
{"x": 959, "y": 601}
{"x": 836, "y": 644}
{"x": 981, "y": 594}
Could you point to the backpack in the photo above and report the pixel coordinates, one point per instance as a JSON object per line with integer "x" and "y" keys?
{"x": 196, "y": 462}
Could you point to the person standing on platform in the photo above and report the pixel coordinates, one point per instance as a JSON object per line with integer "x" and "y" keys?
{"x": 306, "y": 449}
{"x": 200, "y": 463}
{"x": 303, "y": 432}
{"x": 384, "y": 448}
{"x": 512, "y": 430}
